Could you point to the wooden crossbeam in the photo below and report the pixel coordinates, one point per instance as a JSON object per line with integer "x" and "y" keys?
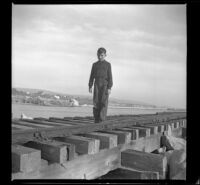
{"x": 134, "y": 132}
{"x": 139, "y": 160}
{"x": 83, "y": 145}
{"x": 143, "y": 132}
{"x": 123, "y": 136}
{"x": 106, "y": 140}
{"x": 153, "y": 129}
{"x": 51, "y": 151}
{"x": 128, "y": 173}
{"x": 25, "y": 159}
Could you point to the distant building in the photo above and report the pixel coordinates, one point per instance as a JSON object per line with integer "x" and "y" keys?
{"x": 74, "y": 103}
{"x": 57, "y": 97}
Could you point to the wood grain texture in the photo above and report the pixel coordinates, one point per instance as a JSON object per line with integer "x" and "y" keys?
{"x": 144, "y": 161}
{"x": 106, "y": 140}
{"x": 51, "y": 151}
{"x": 123, "y": 136}
{"x": 134, "y": 132}
{"x": 25, "y": 159}
{"x": 83, "y": 145}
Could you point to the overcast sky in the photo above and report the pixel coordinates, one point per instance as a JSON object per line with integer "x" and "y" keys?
{"x": 54, "y": 46}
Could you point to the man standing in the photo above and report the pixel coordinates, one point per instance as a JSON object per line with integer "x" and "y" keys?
{"x": 102, "y": 74}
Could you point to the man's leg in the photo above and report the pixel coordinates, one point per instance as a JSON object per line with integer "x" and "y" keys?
{"x": 96, "y": 104}
{"x": 104, "y": 104}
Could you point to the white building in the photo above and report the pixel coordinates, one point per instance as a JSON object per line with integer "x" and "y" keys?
{"x": 74, "y": 102}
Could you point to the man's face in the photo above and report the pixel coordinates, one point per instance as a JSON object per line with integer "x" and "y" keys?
{"x": 101, "y": 56}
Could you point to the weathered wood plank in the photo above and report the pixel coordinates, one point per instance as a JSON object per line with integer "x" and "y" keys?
{"x": 172, "y": 126}
{"x": 67, "y": 122}
{"x": 83, "y": 145}
{"x": 44, "y": 122}
{"x": 144, "y": 161}
{"x": 50, "y": 150}
{"x": 153, "y": 129}
{"x": 176, "y": 124}
{"x": 25, "y": 159}
{"x": 25, "y": 135}
{"x": 184, "y": 133}
{"x": 134, "y": 132}
{"x": 71, "y": 154}
{"x": 82, "y": 167}
{"x": 128, "y": 173}
{"x": 21, "y": 127}
{"x": 161, "y": 128}
{"x": 35, "y": 122}
{"x": 28, "y": 124}
{"x": 123, "y": 136}
{"x": 143, "y": 132}
{"x": 14, "y": 128}
{"x": 106, "y": 140}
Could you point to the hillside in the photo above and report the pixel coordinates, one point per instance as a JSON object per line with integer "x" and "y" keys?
{"x": 49, "y": 98}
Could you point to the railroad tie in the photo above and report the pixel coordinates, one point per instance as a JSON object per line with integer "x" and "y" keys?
{"x": 83, "y": 145}
{"x": 106, "y": 140}
{"x": 51, "y": 151}
{"x": 143, "y": 132}
{"x": 134, "y": 132}
{"x": 25, "y": 159}
{"x": 123, "y": 136}
{"x": 153, "y": 129}
{"x": 139, "y": 160}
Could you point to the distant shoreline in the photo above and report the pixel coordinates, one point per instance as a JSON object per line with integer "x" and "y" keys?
{"x": 111, "y": 107}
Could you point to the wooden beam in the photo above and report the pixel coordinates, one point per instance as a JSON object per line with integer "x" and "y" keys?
{"x": 184, "y": 133}
{"x": 71, "y": 154}
{"x": 143, "y": 132}
{"x": 161, "y": 127}
{"x": 176, "y": 124}
{"x": 134, "y": 132}
{"x": 32, "y": 125}
{"x": 172, "y": 126}
{"x": 123, "y": 136}
{"x": 153, "y": 129}
{"x": 25, "y": 135}
{"x": 128, "y": 173}
{"x": 50, "y": 150}
{"x": 65, "y": 122}
{"x": 144, "y": 161}
{"x": 82, "y": 167}
{"x": 106, "y": 140}
{"x": 45, "y": 122}
{"x": 83, "y": 145}
{"x": 25, "y": 159}
{"x": 21, "y": 127}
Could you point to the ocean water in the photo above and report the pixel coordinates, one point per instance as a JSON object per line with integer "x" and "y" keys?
{"x": 46, "y": 112}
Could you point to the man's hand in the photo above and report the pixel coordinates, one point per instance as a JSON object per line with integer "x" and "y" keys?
{"x": 90, "y": 90}
{"x": 109, "y": 91}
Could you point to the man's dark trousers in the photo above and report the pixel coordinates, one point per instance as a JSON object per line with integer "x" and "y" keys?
{"x": 100, "y": 101}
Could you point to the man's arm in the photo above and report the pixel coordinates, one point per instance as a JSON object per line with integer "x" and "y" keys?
{"x": 110, "y": 79}
{"x": 91, "y": 79}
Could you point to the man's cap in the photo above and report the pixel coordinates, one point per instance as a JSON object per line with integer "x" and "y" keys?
{"x": 101, "y": 50}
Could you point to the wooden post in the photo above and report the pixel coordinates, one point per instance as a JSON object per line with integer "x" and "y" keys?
{"x": 25, "y": 159}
